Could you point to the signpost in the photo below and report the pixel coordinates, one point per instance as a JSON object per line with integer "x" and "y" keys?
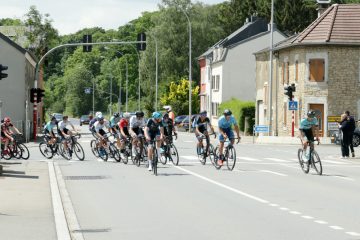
{"x": 293, "y": 106}
{"x": 260, "y": 129}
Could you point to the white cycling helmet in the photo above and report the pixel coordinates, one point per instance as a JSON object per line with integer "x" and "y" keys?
{"x": 127, "y": 115}
{"x": 167, "y": 108}
{"x": 98, "y": 114}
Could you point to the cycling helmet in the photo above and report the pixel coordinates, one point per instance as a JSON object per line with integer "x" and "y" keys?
{"x": 139, "y": 114}
{"x": 97, "y": 114}
{"x": 53, "y": 119}
{"x": 7, "y": 119}
{"x": 156, "y": 115}
{"x": 101, "y": 118}
{"x": 167, "y": 108}
{"x": 166, "y": 115}
{"x": 116, "y": 115}
{"x": 227, "y": 112}
{"x": 311, "y": 113}
{"x": 203, "y": 113}
{"x": 127, "y": 115}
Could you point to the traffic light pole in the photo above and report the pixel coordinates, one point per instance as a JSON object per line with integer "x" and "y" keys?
{"x": 292, "y": 123}
{"x": 38, "y": 64}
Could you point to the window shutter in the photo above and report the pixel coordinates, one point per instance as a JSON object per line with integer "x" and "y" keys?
{"x": 317, "y": 70}
{"x": 321, "y": 67}
{"x": 312, "y": 70}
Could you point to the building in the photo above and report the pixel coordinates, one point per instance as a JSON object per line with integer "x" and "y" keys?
{"x": 228, "y": 68}
{"x": 15, "y": 89}
{"x": 323, "y": 62}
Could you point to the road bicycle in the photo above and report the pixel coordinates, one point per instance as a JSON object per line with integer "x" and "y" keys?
{"x": 314, "y": 159}
{"x": 170, "y": 152}
{"x": 126, "y": 151}
{"x": 155, "y": 155}
{"x": 140, "y": 151}
{"x": 15, "y": 149}
{"x": 105, "y": 151}
{"x": 49, "y": 150}
{"x": 201, "y": 151}
{"x": 229, "y": 155}
{"x": 72, "y": 147}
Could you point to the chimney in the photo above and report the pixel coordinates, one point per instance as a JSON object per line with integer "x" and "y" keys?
{"x": 322, "y": 5}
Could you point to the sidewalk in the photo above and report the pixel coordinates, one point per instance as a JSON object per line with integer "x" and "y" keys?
{"x": 26, "y": 210}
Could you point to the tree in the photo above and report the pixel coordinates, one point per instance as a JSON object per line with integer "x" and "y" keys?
{"x": 178, "y": 97}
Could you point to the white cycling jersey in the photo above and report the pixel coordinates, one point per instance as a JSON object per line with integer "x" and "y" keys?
{"x": 137, "y": 123}
{"x": 99, "y": 126}
{"x": 63, "y": 125}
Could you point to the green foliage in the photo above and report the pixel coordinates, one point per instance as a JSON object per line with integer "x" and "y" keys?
{"x": 240, "y": 110}
{"x": 10, "y": 22}
{"x": 178, "y": 97}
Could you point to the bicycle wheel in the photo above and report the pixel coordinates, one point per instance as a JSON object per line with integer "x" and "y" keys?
{"x": 114, "y": 153}
{"x": 46, "y": 150}
{"x": 174, "y": 155}
{"x": 94, "y": 148}
{"x": 316, "y": 162}
{"x": 155, "y": 162}
{"x": 164, "y": 155}
{"x": 230, "y": 158}
{"x": 25, "y": 154}
{"x": 304, "y": 166}
{"x": 200, "y": 153}
{"x": 211, "y": 154}
{"x": 102, "y": 153}
{"x": 65, "y": 153}
{"x": 216, "y": 158}
{"x": 79, "y": 151}
{"x": 6, "y": 154}
{"x": 15, "y": 151}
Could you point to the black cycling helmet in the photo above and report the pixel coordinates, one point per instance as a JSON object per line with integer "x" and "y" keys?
{"x": 53, "y": 119}
{"x": 203, "y": 113}
{"x": 116, "y": 115}
{"x": 311, "y": 113}
{"x": 227, "y": 112}
{"x": 139, "y": 114}
{"x": 166, "y": 115}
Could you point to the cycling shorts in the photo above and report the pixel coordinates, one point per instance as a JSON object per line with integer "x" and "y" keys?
{"x": 308, "y": 134}
{"x": 229, "y": 132}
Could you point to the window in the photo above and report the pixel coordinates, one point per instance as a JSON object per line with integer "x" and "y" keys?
{"x": 215, "y": 109}
{"x": 316, "y": 70}
{"x": 285, "y": 113}
{"x": 215, "y": 82}
{"x": 296, "y": 70}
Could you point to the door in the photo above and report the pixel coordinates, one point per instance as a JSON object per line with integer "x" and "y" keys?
{"x": 319, "y": 110}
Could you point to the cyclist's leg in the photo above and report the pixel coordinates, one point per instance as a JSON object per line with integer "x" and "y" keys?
{"x": 207, "y": 142}
{"x": 231, "y": 137}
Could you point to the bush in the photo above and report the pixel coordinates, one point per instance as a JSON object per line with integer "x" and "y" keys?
{"x": 240, "y": 110}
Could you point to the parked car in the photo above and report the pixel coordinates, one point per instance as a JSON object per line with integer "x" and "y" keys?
{"x": 184, "y": 125}
{"x": 84, "y": 119}
{"x": 356, "y": 137}
{"x": 179, "y": 119}
{"x": 58, "y": 116}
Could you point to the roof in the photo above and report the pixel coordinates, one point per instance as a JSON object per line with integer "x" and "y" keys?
{"x": 338, "y": 25}
{"x": 16, "y": 46}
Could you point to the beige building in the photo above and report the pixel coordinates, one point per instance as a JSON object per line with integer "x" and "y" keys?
{"x": 323, "y": 62}
{"x": 15, "y": 89}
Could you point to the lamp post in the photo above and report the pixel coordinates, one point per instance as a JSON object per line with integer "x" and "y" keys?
{"x": 271, "y": 66}
{"x": 111, "y": 77}
{"x": 190, "y": 75}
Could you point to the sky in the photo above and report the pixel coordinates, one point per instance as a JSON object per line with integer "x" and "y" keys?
{"x": 69, "y": 16}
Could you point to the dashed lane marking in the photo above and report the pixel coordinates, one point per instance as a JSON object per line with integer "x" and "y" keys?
{"x": 276, "y": 160}
{"x": 249, "y": 159}
{"x": 336, "y": 227}
{"x": 275, "y": 173}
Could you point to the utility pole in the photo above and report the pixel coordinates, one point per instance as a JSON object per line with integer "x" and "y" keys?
{"x": 271, "y": 66}
{"x": 111, "y": 94}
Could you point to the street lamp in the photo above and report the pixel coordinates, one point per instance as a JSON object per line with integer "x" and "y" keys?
{"x": 190, "y": 75}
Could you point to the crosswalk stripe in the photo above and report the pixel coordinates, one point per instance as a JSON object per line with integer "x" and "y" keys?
{"x": 277, "y": 160}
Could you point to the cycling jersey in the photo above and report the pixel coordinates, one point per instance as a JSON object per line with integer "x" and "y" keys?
{"x": 6, "y": 129}
{"x": 49, "y": 127}
{"x": 168, "y": 127}
{"x": 306, "y": 124}
{"x": 98, "y": 126}
{"x": 154, "y": 128}
{"x": 123, "y": 124}
{"x": 202, "y": 125}
{"x": 62, "y": 125}
{"x": 113, "y": 121}
{"x": 225, "y": 124}
{"x": 137, "y": 123}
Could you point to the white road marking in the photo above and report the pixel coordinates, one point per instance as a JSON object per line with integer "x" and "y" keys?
{"x": 189, "y": 157}
{"x": 62, "y": 230}
{"x": 284, "y": 209}
{"x": 273, "y": 205}
{"x": 355, "y": 234}
{"x": 334, "y": 162}
{"x": 345, "y": 178}
{"x": 276, "y": 173}
{"x": 85, "y": 141}
{"x": 277, "y": 160}
{"x": 249, "y": 159}
{"x": 223, "y": 185}
{"x": 336, "y": 227}
{"x": 189, "y": 141}
{"x": 320, "y": 222}
{"x": 307, "y": 217}
{"x": 295, "y": 212}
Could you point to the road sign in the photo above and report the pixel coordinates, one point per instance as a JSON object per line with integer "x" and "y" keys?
{"x": 87, "y": 90}
{"x": 334, "y": 118}
{"x": 261, "y": 129}
{"x": 293, "y": 105}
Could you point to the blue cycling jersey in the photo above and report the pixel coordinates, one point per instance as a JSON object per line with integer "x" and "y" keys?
{"x": 306, "y": 124}
{"x": 225, "y": 124}
{"x": 50, "y": 126}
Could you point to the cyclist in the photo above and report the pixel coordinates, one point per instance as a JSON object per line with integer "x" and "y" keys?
{"x": 48, "y": 130}
{"x": 124, "y": 131}
{"x": 114, "y": 127}
{"x": 64, "y": 132}
{"x": 137, "y": 123}
{"x": 99, "y": 130}
{"x": 201, "y": 124}
{"x": 307, "y": 127}
{"x": 168, "y": 125}
{"x": 154, "y": 130}
{"x": 6, "y": 133}
{"x": 225, "y": 124}
{"x": 170, "y": 112}
{"x": 93, "y": 121}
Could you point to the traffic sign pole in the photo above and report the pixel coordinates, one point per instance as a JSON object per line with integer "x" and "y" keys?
{"x": 292, "y": 123}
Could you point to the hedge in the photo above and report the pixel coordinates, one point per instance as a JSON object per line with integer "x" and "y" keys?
{"x": 240, "y": 110}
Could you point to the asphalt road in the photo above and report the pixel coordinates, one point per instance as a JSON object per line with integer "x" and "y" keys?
{"x": 267, "y": 196}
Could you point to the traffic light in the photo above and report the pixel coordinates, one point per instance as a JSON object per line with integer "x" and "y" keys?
{"x": 40, "y": 93}
{"x": 141, "y": 46}
{"x": 87, "y": 39}
{"x": 3, "y": 75}
{"x": 289, "y": 91}
{"x": 32, "y": 95}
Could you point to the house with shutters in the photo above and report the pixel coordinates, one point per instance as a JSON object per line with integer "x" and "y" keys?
{"x": 323, "y": 62}
{"x": 228, "y": 68}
